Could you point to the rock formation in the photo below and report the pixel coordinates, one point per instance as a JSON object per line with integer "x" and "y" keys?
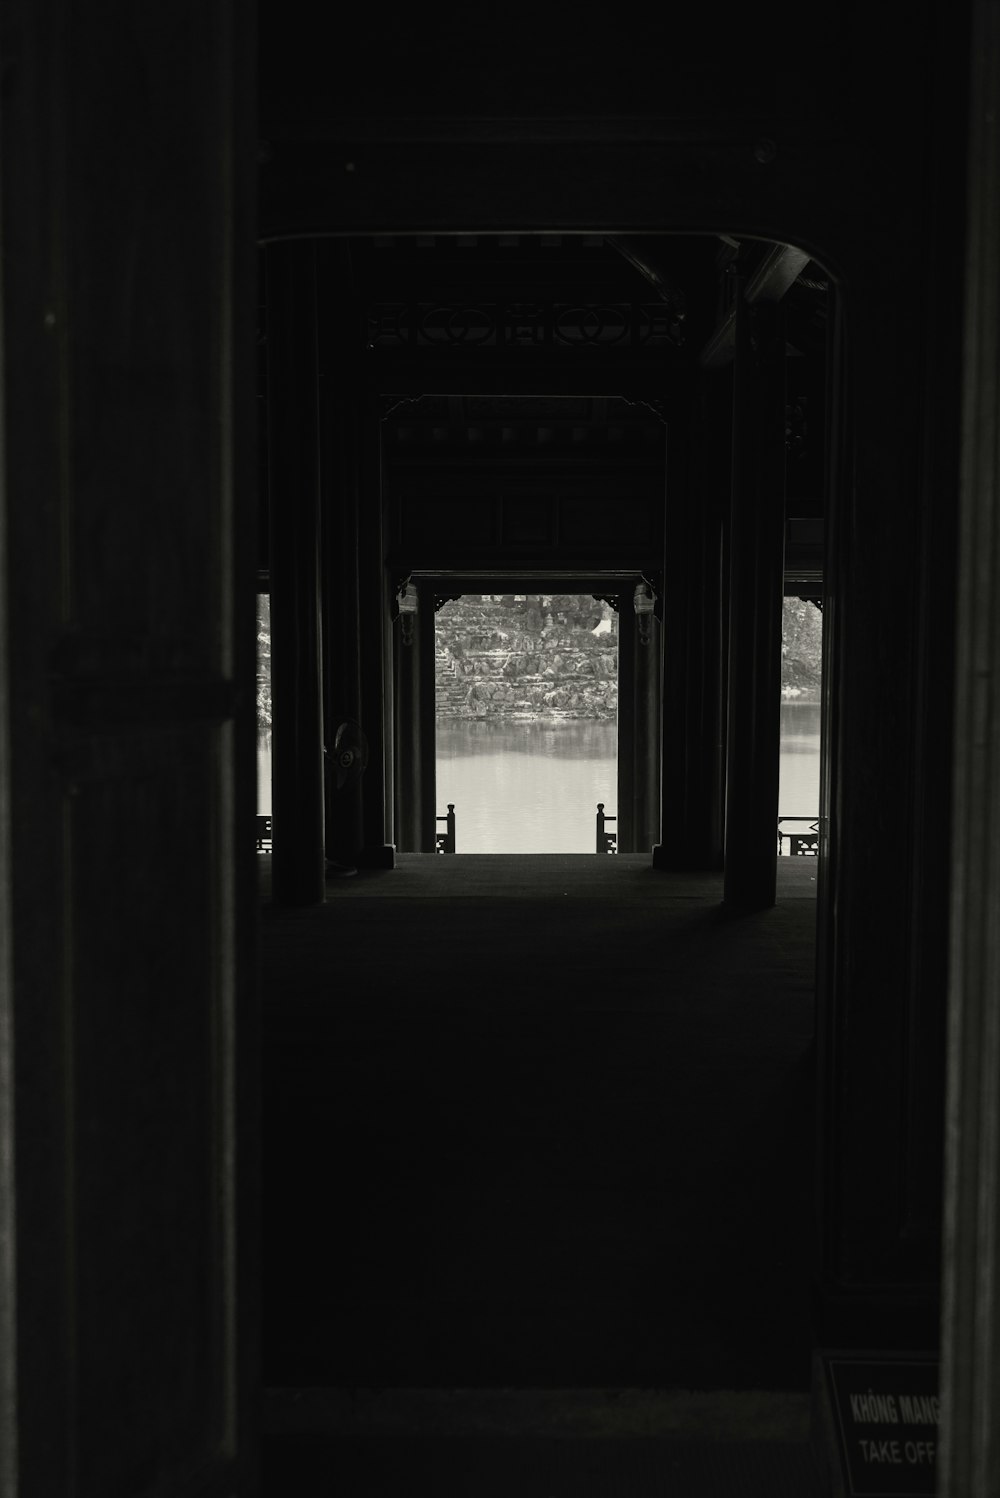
{"x": 516, "y": 656}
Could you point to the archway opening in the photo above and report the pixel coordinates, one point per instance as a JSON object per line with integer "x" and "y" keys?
{"x": 526, "y": 721}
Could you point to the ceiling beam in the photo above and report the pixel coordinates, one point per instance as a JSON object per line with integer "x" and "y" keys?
{"x": 776, "y": 273}
{"x": 646, "y": 259}
{"x": 631, "y": 375}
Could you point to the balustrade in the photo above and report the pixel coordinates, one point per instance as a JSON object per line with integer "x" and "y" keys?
{"x": 606, "y": 841}
{"x": 805, "y": 842}
{"x": 445, "y": 841}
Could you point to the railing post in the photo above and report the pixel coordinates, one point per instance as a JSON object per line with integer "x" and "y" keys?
{"x": 444, "y": 842}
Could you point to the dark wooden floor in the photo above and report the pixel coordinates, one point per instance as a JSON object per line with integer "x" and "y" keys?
{"x": 470, "y": 1467}
{"x": 538, "y": 1121}
{"x": 514, "y": 1443}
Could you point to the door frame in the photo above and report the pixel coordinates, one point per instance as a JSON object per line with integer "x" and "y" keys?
{"x": 420, "y": 726}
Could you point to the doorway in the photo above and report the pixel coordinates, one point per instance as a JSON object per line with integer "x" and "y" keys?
{"x": 532, "y": 704}
{"x": 526, "y": 720}
{"x": 529, "y": 1054}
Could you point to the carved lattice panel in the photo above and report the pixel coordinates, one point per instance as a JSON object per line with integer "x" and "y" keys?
{"x": 491, "y": 324}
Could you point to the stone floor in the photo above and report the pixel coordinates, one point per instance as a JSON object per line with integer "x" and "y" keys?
{"x": 538, "y": 1121}
{"x": 470, "y": 1467}
{"x": 559, "y": 1443}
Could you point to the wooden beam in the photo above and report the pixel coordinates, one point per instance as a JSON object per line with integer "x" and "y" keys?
{"x": 642, "y": 255}
{"x": 656, "y": 376}
{"x": 779, "y": 270}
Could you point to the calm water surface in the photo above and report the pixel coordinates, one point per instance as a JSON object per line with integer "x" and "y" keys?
{"x": 534, "y": 787}
{"x": 798, "y": 786}
{"x": 526, "y": 787}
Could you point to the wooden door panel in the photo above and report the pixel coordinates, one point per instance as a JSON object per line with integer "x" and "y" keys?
{"x": 128, "y": 285}
{"x": 153, "y": 1120}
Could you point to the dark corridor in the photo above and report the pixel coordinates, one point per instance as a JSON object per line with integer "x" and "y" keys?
{"x": 538, "y": 1121}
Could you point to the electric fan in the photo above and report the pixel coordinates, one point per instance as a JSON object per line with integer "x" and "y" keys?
{"x": 350, "y": 754}
{"x": 346, "y": 763}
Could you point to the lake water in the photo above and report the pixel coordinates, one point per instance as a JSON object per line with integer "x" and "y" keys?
{"x": 534, "y": 787}
{"x": 526, "y": 787}
{"x": 798, "y": 786}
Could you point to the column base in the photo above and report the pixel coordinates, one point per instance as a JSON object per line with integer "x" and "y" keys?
{"x": 377, "y": 857}
{"x": 676, "y": 863}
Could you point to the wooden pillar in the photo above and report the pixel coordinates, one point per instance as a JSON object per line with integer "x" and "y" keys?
{"x": 970, "y": 1352}
{"x": 129, "y": 1065}
{"x": 693, "y": 643}
{"x": 341, "y": 415}
{"x": 639, "y": 757}
{"x": 887, "y": 685}
{"x": 296, "y": 654}
{"x": 627, "y": 646}
{"x": 357, "y": 662}
{"x": 376, "y": 647}
{"x": 755, "y": 597}
{"x": 427, "y": 722}
{"x": 413, "y": 727}
{"x": 646, "y": 742}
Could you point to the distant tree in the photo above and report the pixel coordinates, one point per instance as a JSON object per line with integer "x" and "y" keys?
{"x": 263, "y": 661}
{"x": 801, "y": 644}
{"x": 542, "y": 644}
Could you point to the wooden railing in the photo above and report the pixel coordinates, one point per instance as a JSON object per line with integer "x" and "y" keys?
{"x": 805, "y": 842}
{"x": 445, "y": 841}
{"x": 607, "y": 842}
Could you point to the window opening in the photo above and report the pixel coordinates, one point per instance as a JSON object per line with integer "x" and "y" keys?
{"x": 526, "y": 708}
{"x": 263, "y": 719}
{"x": 799, "y": 772}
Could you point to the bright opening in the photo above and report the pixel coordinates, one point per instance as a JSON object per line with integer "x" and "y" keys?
{"x": 798, "y": 784}
{"x": 526, "y": 700}
{"x": 263, "y": 704}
